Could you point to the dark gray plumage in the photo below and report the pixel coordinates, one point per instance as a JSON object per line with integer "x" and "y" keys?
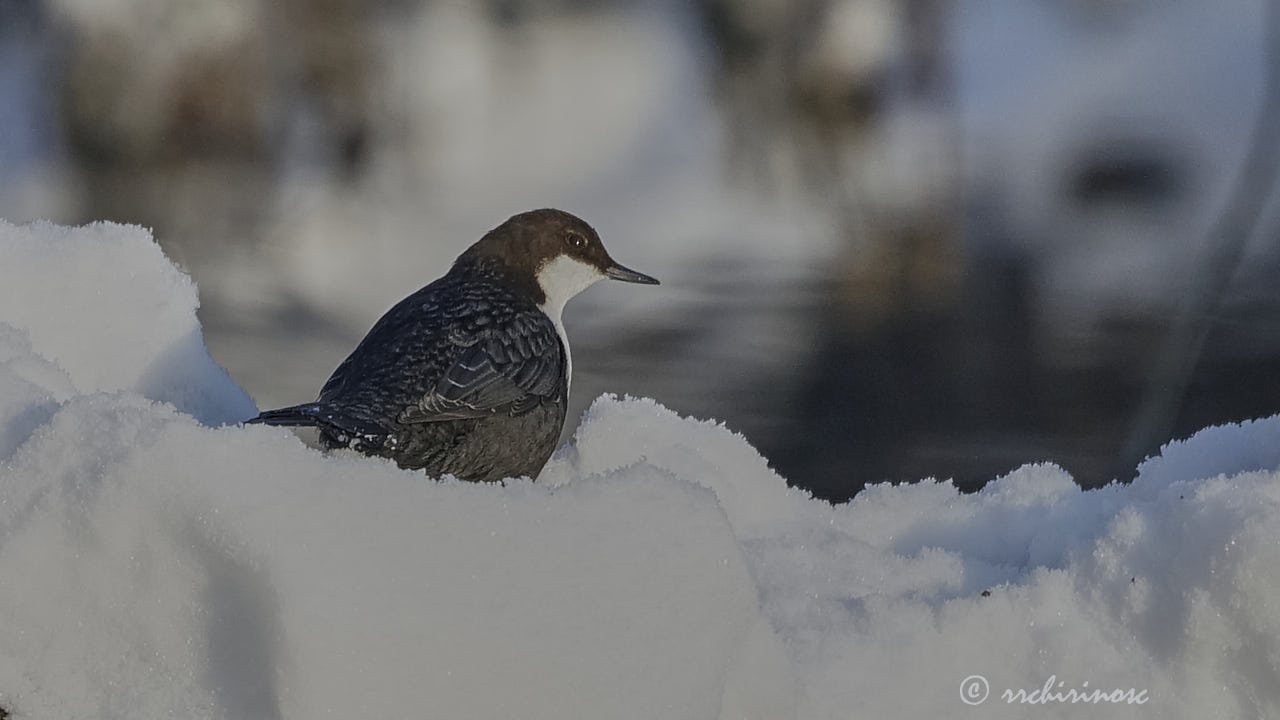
{"x": 469, "y": 376}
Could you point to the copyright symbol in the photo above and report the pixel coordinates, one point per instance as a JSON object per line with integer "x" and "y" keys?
{"x": 974, "y": 690}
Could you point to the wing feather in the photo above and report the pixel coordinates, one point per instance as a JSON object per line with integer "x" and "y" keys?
{"x": 509, "y": 369}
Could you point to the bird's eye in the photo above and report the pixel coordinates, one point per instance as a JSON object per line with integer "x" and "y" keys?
{"x": 575, "y": 241}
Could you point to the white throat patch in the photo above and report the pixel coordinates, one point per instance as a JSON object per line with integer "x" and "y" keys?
{"x": 561, "y": 279}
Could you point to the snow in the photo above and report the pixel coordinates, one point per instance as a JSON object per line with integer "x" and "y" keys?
{"x": 158, "y": 561}
{"x": 106, "y": 306}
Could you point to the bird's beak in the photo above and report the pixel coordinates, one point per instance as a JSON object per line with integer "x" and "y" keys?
{"x": 618, "y": 272}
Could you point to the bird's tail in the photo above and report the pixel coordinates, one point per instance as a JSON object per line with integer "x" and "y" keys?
{"x": 337, "y": 429}
{"x": 308, "y": 414}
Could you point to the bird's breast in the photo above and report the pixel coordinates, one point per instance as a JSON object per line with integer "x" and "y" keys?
{"x": 553, "y": 314}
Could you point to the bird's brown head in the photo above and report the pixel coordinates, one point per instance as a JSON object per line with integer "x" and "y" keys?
{"x": 555, "y": 254}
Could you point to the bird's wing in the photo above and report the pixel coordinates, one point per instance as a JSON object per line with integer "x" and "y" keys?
{"x": 338, "y": 379}
{"x": 511, "y": 369}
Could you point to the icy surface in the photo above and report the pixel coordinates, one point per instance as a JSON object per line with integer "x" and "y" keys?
{"x": 154, "y": 564}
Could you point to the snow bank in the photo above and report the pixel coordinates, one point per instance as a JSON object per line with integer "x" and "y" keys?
{"x": 153, "y": 564}
{"x": 104, "y": 304}
{"x": 170, "y": 569}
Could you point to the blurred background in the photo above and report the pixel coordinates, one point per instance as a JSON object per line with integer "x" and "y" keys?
{"x": 897, "y": 238}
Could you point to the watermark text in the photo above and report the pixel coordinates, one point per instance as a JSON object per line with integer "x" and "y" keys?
{"x": 974, "y": 690}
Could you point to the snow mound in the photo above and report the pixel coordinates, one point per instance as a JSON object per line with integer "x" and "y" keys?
{"x": 104, "y": 304}
{"x": 154, "y": 564}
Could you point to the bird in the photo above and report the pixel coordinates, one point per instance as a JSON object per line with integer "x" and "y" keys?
{"x": 469, "y": 376}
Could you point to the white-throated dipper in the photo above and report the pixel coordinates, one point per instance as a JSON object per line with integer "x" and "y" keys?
{"x": 469, "y": 376}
